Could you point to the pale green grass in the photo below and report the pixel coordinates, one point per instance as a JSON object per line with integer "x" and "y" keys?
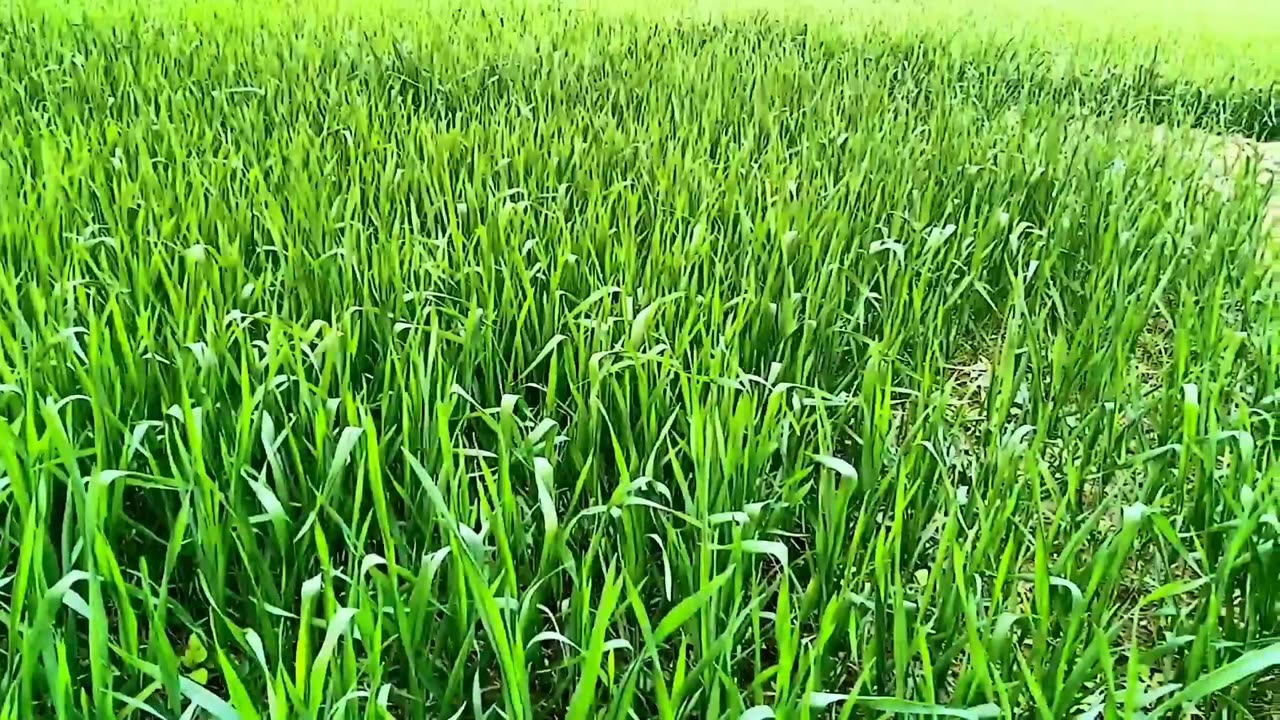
{"x": 401, "y": 360}
{"x": 1204, "y": 40}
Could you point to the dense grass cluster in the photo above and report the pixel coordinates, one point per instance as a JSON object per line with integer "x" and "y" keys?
{"x": 446, "y": 361}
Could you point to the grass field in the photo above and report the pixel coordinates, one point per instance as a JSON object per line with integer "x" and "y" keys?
{"x": 582, "y": 360}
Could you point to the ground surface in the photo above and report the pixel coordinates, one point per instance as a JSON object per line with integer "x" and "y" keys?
{"x": 620, "y": 360}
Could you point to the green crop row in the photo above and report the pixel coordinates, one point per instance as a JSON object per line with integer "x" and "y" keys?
{"x": 521, "y": 360}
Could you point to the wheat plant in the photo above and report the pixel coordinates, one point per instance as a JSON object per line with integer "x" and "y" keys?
{"x": 523, "y": 360}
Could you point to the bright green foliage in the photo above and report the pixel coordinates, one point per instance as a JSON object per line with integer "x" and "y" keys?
{"x": 369, "y": 360}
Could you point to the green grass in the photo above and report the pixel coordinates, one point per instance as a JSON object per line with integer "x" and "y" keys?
{"x": 427, "y": 361}
{"x": 1217, "y": 43}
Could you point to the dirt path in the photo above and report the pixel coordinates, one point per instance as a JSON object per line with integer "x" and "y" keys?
{"x": 1226, "y": 155}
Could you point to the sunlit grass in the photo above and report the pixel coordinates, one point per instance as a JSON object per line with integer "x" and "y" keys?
{"x": 430, "y": 361}
{"x": 1210, "y": 41}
